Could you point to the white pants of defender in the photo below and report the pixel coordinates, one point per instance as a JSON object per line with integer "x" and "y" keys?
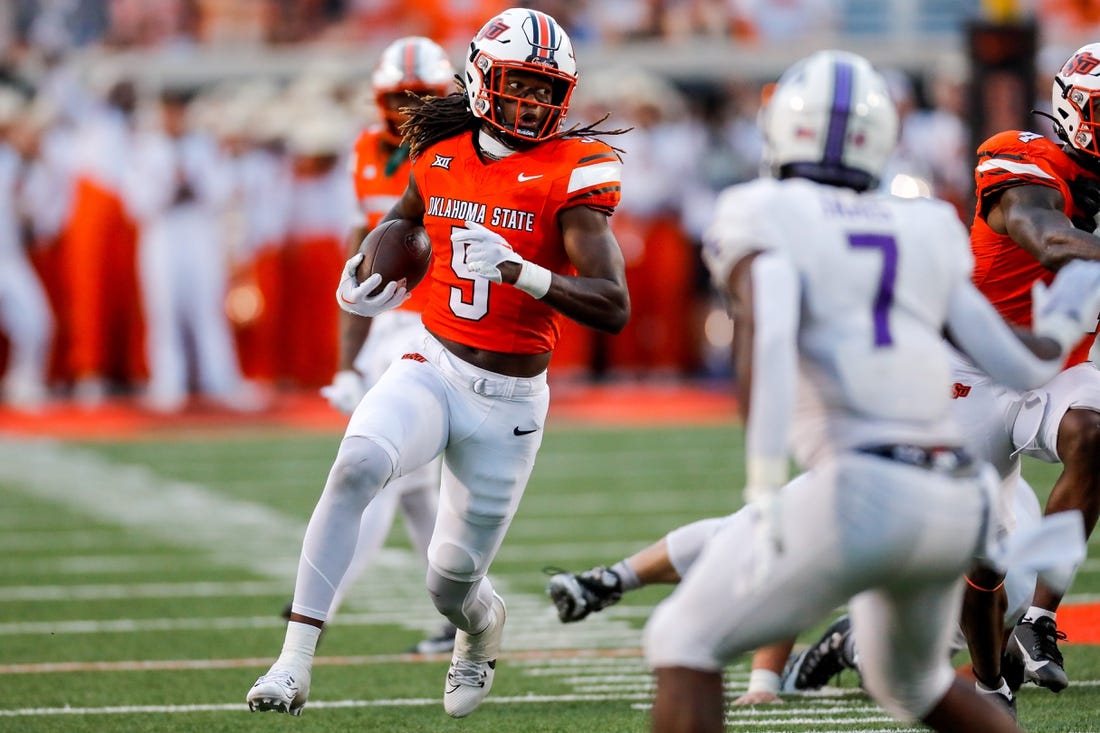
{"x": 1002, "y": 424}
{"x": 487, "y": 427}
{"x": 893, "y": 538}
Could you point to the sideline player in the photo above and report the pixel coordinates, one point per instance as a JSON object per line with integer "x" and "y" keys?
{"x": 839, "y": 353}
{"x": 517, "y": 209}
{"x": 408, "y": 68}
{"x": 1036, "y": 210}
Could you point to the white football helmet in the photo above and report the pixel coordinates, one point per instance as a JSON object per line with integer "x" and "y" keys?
{"x": 830, "y": 119}
{"x": 1075, "y": 98}
{"x": 409, "y": 64}
{"x": 520, "y": 40}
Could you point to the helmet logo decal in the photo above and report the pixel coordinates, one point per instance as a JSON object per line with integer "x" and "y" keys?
{"x": 493, "y": 30}
{"x": 1082, "y": 63}
{"x": 838, "y": 118}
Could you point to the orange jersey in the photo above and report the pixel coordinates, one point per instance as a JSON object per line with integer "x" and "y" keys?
{"x": 1003, "y": 270}
{"x": 380, "y": 173}
{"x": 520, "y": 197}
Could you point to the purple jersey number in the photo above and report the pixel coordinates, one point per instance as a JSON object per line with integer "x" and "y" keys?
{"x": 885, "y": 296}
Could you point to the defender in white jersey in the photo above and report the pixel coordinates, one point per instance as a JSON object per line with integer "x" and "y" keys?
{"x": 841, "y": 296}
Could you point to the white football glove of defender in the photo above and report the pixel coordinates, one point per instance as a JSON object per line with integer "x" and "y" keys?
{"x": 354, "y": 297}
{"x": 1067, "y": 309}
{"x": 346, "y": 391}
{"x": 486, "y": 250}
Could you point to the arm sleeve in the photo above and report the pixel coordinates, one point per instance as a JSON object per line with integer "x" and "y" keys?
{"x": 980, "y": 332}
{"x": 775, "y": 288}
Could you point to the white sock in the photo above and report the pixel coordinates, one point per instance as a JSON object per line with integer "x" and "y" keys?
{"x": 1004, "y": 690}
{"x": 299, "y": 645}
{"x": 1034, "y": 613}
{"x": 627, "y": 576}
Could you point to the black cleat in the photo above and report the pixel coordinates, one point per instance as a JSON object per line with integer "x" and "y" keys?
{"x": 576, "y": 595}
{"x": 441, "y": 642}
{"x": 814, "y": 666}
{"x": 1034, "y": 646}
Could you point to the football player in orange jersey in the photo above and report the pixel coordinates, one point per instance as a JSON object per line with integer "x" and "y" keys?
{"x": 1036, "y": 208}
{"x": 517, "y": 209}
{"x": 379, "y": 166}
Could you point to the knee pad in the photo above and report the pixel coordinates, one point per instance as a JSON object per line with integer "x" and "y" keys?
{"x": 668, "y": 642}
{"x": 452, "y": 561}
{"x": 908, "y": 697}
{"x": 466, "y": 604}
{"x": 361, "y": 467}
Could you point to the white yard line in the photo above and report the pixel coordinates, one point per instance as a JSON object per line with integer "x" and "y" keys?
{"x": 236, "y": 533}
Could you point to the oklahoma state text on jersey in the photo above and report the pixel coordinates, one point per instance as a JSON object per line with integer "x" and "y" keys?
{"x": 520, "y": 198}
{"x": 380, "y": 175}
{"x": 1003, "y": 270}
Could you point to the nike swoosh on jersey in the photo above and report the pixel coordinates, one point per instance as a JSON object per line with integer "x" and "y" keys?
{"x": 1030, "y": 663}
{"x": 524, "y": 177}
{"x": 517, "y": 431}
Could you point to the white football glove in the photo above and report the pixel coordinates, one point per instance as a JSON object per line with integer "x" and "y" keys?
{"x": 767, "y": 531}
{"x": 346, "y": 391}
{"x": 1067, "y": 309}
{"x": 354, "y": 297}
{"x": 485, "y": 249}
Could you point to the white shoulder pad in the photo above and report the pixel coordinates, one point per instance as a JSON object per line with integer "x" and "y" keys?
{"x": 743, "y": 222}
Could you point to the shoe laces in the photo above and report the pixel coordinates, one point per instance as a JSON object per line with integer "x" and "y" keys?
{"x": 1047, "y": 637}
{"x": 465, "y": 672}
{"x": 279, "y": 676}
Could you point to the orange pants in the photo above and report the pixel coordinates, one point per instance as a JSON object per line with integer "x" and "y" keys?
{"x": 258, "y": 340}
{"x": 101, "y": 302}
{"x": 308, "y": 313}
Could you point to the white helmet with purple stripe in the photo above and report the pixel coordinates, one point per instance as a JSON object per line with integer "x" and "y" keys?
{"x": 830, "y": 119}
{"x": 520, "y": 39}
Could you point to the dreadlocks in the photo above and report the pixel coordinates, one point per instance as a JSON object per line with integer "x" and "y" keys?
{"x": 439, "y": 118}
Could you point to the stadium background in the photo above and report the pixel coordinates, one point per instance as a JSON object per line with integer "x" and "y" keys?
{"x": 147, "y": 549}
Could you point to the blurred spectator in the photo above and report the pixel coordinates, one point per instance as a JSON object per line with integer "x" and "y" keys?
{"x": 255, "y": 135}
{"x": 25, "y": 317}
{"x": 178, "y": 187}
{"x": 101, "y": 304}
{"x": 938, "y": 132}
{"x": 322, "y": 209}
{"x": 695, "y": 18}
{"x": 782, "y": 20}
{"x": 659, "y": 165}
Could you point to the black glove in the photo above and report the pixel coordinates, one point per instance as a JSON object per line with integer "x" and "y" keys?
{"x": 1086, "y": 202}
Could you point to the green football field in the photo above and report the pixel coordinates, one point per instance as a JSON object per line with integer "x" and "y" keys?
{"x": 141, "y": 583}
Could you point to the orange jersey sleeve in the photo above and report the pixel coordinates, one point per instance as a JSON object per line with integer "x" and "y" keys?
{"x": 1004, "y": 271}
{"x": 520, "y": 198}
{"x": 380, "y": 174}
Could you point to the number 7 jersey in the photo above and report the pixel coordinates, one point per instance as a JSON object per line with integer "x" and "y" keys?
{"x": 520, "y": 198}
{"x": 876, "y": 275}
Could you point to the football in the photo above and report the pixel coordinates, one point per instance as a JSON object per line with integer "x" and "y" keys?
{"x": 395, "y": 249}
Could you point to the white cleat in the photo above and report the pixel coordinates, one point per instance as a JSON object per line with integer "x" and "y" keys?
{"x": 282, "y": 690}
{"x": 473, "y": 664}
